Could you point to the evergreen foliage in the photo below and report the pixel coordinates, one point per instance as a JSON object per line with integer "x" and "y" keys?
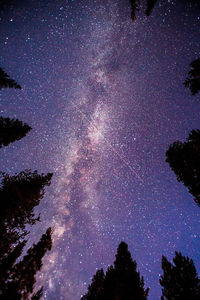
{"x": 12, "y": 130}
{"x": 193, "y": 79}
{"x": 184, "y": 160}
{"x": 6, "y": 81}
{"x": 179, "y": 281}
{"x": 21, "y": 280}
{"x": 122, "y": 281}
{"x": 95, "y": 289}
{"x": 19, "y": 195}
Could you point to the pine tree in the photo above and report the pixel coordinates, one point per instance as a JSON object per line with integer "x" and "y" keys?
{"x": 184, "y": 160}
{"x": 95, "y": 289}
{"x": 19, "y": 195}
{"x": 6, "y": 81}
{"x": 179, "y": 281}
{"x": 8, "y": 261}
{"x": 21, "y": 280}
{"x": 150, "y": 6}
{"x": 193, "y": 79}
{"x": 121, "y": 282}
{"x": 12, "y": 130}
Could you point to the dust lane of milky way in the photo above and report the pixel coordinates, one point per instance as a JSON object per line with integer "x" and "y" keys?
{"x": 88, "y": 142}
{"x": 105, "y": 98}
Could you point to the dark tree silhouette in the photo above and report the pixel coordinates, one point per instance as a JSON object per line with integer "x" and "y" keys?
{"x": 38, "y": 294}
{"x": 21, "y": 277}
{"x": 4, "y": 4}
{"x": 7, "y": 261}
{"x": 121, "y": 282}
{"x": 184, "y": 160}
{"x": 95, "y": 289}
{"x": 193, "y": 79}
{"x": 134, "y": 7}
{"x": 179, "y": 281}
{"x": 150, "y": 6}
{"x": 12, "y": 130}
{"x": 19, "y": 195}
{"x": 6, "y": 81}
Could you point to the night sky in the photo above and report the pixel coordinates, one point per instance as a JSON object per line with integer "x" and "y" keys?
{"x": 105, "y": 98}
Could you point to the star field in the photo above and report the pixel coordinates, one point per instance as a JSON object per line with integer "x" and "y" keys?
{"x": 105, "y": 99}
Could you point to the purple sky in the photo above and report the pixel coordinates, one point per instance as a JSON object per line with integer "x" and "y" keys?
{"x": 105, "y": 99}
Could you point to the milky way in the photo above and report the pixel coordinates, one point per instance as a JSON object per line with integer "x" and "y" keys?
{"x": 105, "y": 98}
